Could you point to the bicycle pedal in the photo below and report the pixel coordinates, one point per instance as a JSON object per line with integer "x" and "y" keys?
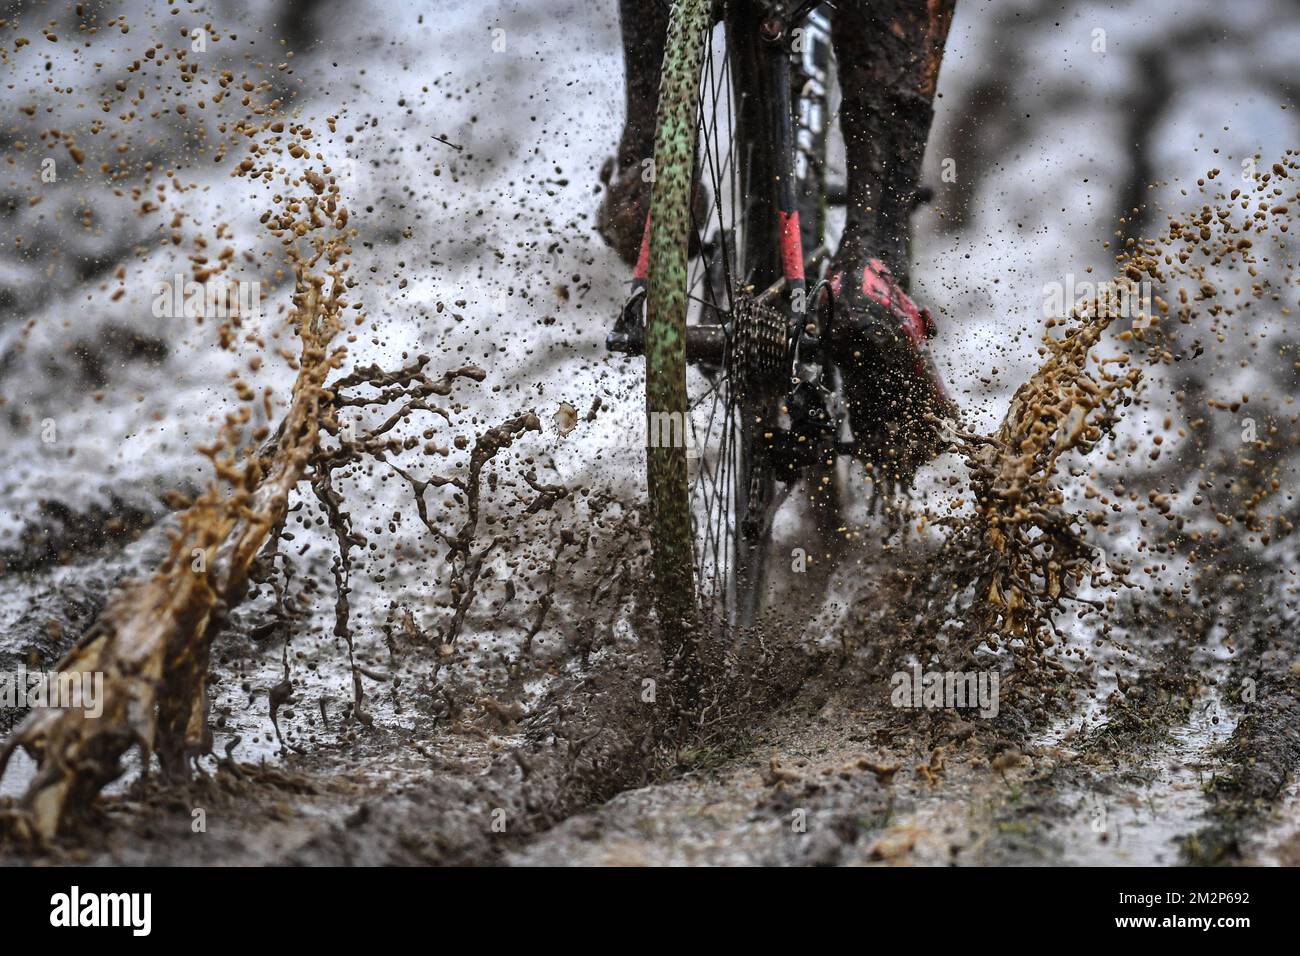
{"x": 620, "y": 341}
{"x": 628, "y": 334}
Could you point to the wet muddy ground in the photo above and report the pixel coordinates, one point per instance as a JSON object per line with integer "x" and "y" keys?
{"x": 819, "y": 768}
{"x": 445, "y": 654}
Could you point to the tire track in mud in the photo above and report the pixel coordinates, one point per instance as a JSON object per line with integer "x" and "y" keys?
{"x": 593, "y": 737}
{"x": 1263, "y": 686}
{"x": 872, "y": 785}
{"x": 786, "y": 792}
{"x": 1066, "y": 805}
{"x": 1157, "y": 748}
{"x": 836, "y": 776}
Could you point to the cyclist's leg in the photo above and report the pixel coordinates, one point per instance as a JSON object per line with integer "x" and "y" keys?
{"x": 645, "y": 28}
{"x": 888, "y": 54}
{"x": 622, "y": 212}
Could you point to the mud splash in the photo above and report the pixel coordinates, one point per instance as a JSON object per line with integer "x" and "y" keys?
{"x": 152, "y": 640}
{"x": 1033, "y": 542}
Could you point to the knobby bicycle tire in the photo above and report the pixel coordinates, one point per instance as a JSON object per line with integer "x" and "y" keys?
{"x": 704, "y": 555}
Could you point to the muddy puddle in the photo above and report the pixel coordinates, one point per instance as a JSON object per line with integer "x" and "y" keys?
{"x": 366, "y": 568}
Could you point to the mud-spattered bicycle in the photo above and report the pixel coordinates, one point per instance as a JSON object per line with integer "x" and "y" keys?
{"x": 730, "y": 308}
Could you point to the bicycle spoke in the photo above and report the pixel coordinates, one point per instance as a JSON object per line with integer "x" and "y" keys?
{"x": 722, "y": 425}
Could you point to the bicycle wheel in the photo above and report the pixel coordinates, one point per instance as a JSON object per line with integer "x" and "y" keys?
{"x": 713, "y": 493}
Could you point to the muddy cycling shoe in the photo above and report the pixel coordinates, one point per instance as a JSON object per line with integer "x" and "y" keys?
{"x": 894, "y": 392}
{"x": 621, "y": 217}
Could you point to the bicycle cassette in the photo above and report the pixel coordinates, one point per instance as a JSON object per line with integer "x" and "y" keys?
{"x": 760, "y": 350}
